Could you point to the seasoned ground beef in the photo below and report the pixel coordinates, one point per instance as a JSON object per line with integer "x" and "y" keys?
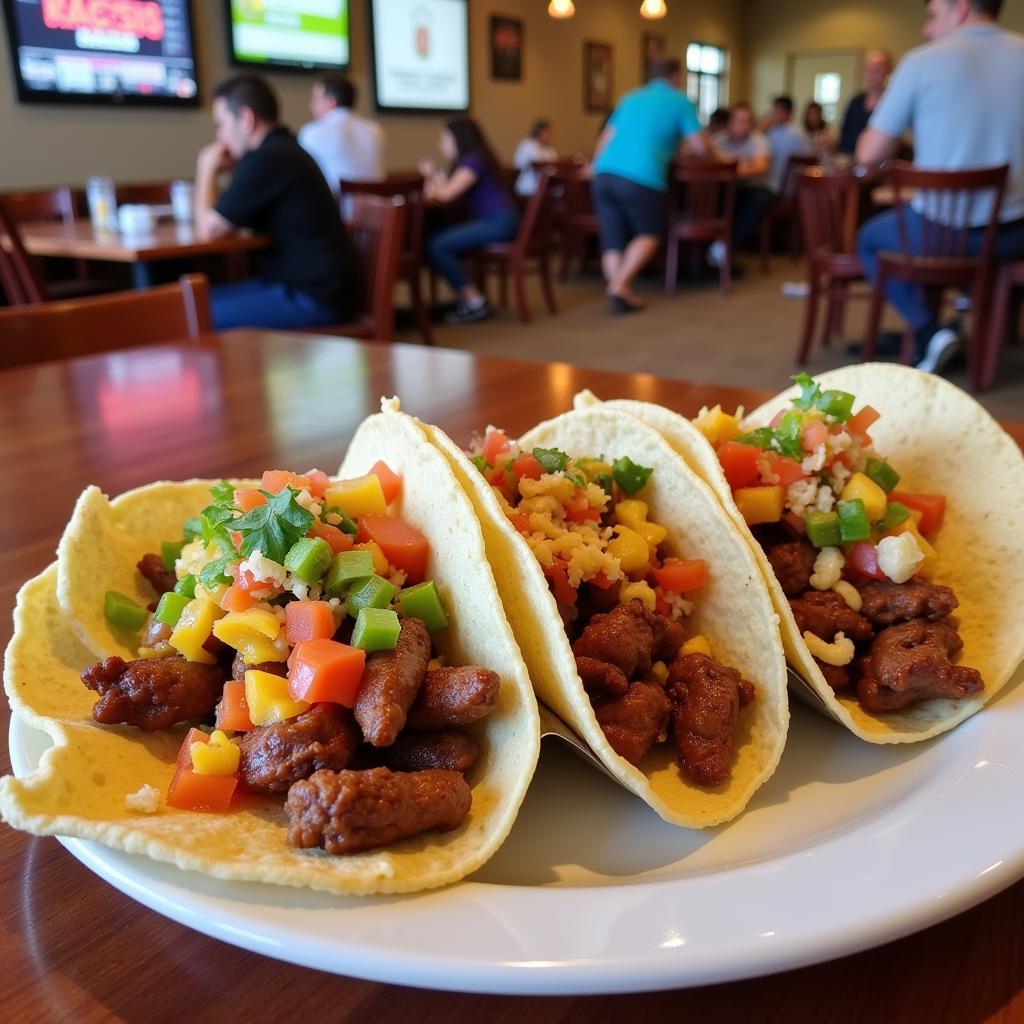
{"x": 152, "y": 567}
{"x": 636, "y": 721}
{"x": 448, "y": 749}
{"x": 623, "y": 637}
{"x": 885, "y": 603}
{"x": 837, "y": 676}
{"x": 793, "y": 565}
{"x": 454, "y": 696}
{"x": 601, "y": 679}
{"x": 825, "y": 613}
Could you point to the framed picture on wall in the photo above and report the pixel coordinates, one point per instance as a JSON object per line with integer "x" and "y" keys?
{"x": 653, "y": 46}
{"x": 597, "y": 77}
{"x": 506, "y": 48}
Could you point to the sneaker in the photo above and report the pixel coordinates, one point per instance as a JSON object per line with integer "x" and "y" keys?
{"x": 942, "y": 347}
{"x": 620, "y": 305}
{"x": 469, "y": 313}
{"x": 716, "y": 253}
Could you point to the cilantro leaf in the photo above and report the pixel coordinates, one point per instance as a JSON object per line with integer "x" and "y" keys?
{"x": 629, "y": 476}
{"x": 223, "y": 493}
{"x": 605, "y": 482}
{"x": 273, "y": 528}
{"x": 216, "y": 572}
{"x": 213, "y": 527}
{"x": 481, "y": 463}
{"x": 760, "y": 438}
{"x": 551, "y": 459}
{"x": 193, "y": 527}
{"x": 809, "y": 391}
{"x": 789, "y": 435}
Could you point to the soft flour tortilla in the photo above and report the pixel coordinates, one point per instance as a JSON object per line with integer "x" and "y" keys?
{"x": 81, "y": 782}
{"x": 732, "y": 610}
{"x": 942, "y": 442}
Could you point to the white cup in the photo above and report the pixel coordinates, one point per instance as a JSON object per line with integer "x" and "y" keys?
{"x": 135, "y": 219}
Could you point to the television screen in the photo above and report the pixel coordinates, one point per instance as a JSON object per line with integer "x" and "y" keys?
{"x": 420, "y": 55}
{"x": 289, "y": 33}
{"x": 103, "y": 51}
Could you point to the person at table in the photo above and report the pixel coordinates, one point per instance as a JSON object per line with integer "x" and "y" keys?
{"x": 743, "y": 144}
{"x": 307, "y": 277}
{"x": 963, "y": 94}
{"x": 631, "y": 176}
{"x": 475, "y": 177}
{"x": 822, "y": 138}
{"x": 345, "y": 146}
{"x": 877, "y": 69}
{"x": 536, "y": 148}
{"x": 785, "y": 140}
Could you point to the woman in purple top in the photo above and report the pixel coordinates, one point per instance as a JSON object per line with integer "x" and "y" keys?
{"x": 475, "y": 176}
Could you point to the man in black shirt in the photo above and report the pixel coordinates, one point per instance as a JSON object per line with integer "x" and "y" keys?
{"x": 307, "y": 276}
{"x": 877, "y": 69}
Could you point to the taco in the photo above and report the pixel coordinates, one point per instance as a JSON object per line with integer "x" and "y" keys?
{"x": 324, "y": 690}
{"x": 883, "y": 505}
{"x": 639, "y": 609}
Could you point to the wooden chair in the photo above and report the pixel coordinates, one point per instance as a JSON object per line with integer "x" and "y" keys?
{"x": 1005, "y": 320}
{"x": 579, "y": 222}
{"x": 148, "y": 193}
{"x": 408, "y": 187}
{"x": 63, "y": 330}
{"x": 702, "y": 202}
{"x": 377, "y": 229}
{"x": 828, "y": 208}
{"x": 784, "y": 211}
{"x": 529, "y": 250}
{"x": 20, "y": 273}
{"x": 941, "y": 260}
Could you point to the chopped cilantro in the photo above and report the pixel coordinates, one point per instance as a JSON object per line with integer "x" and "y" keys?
{"x": 629, "y": 476}
{"x": 551, "y": 459}
{"x": 481, "y": 463}
{"x": 789, "y": 436}
{"x": 809, "y": 391}
{"x": 223, "y": 493}
{"x": 193, "y": 527}
{"x": 273, "y": 528}
{"x": 216, "y": 572}
{"x": 605, "y": 482}
{"x": 760, "y": 438}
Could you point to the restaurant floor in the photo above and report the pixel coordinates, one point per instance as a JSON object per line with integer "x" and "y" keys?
{"x": 747, "y": 339}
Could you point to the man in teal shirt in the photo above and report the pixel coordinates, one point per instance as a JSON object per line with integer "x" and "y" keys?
{"x": 631, "y": 176}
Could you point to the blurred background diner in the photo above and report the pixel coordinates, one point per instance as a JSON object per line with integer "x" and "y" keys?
{"x": 761, "y": 184}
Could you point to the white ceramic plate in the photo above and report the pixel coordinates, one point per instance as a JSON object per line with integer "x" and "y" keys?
{"x": 848, "y": 846}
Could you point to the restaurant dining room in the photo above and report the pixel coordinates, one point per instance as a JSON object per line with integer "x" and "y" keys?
{"x": 688, "y": 681}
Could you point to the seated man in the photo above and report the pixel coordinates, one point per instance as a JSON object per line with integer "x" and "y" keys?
{"x": 307, "y": 276}
{"x": 963, "y": 94}
{"x": 785, "y": 140}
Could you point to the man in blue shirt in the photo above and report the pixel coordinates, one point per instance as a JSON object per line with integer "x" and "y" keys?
{"x": 634, "y": 155}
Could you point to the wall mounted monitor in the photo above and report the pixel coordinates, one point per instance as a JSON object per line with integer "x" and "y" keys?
{"x": 129, "y": 52}
{"x": 288, "y": 34}
{"x": 420, "y": 55}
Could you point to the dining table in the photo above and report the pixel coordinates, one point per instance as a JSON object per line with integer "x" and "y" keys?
{"x": 74, "y": 947}
{"x": 165, "y": 240}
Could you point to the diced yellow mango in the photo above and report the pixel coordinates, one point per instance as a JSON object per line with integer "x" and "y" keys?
{"x": 760, "y": 504}
{"x": 193, "y": 630}
{"x": 641, "y": 590}
{"x": 874, "y": 498}
{"x": 268, "y": 698}
{"x": 255, "y": 634}
{"x": 718, "y": 426}
{"x": 630, "y": 549}
{"x": 380, "y": 560}
{"x": 359, "y": 497}
{"x": 931, "y": 556}
{"x": 696, "y": 645}
{"x": 593, "y": 468}
{"x": 633, "y": 513}
{"x": 218, "y": 756}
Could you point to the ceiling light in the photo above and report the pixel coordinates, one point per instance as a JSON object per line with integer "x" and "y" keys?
{"x": 561, "y": 8}
{"x": 653, "y": 9}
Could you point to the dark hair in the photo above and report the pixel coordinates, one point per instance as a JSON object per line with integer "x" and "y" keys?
{"x": 469, "y": 141}
{"x": 664, "y": 67}
{"x": 249, "y": 91}
{"x": 339, "y": 88}
{"x": 991, "y": 8}
{"x": 719, "y": 118}
{"x": 538, "y": 126}
{"x": 786, "y": 102}
{"x": 813, "y": 105}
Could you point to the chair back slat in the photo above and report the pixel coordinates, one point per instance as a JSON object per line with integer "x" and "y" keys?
{"x": 537, "y": 222}
{"x": 377, "y": 229}
{"x": 408, "y": 187}
{"x": 828, "y": 206}
{"x": 145, "y": 193}
{"x": 702, "y": 191}
{"x": 20, "y": 273}
{"x": 44, "y": 205}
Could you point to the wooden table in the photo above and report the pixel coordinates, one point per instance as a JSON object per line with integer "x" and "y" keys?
{"x": 166, "y": 241}
{"x": 73, "y": 948}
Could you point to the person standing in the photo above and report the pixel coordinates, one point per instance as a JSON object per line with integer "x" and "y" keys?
{"x": 631, "y": 176}
{"x": 345, "y": 146}
{"x": 963, "y": 95}
{"x": 308, "y": 275}
{"x": 536, "y": 148}
{"x": 877, "y": 69}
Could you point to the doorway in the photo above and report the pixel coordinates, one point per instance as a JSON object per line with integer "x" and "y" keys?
{"x": 829, "y": 77}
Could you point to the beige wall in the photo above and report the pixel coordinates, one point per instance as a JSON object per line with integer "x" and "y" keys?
{"x": 47, "y": 145}
{"x": 776, "y": 28}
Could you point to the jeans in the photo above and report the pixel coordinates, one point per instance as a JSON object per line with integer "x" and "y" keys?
{"x": 255, "y": 303}
{"x": 881, "y": 234}
{"x": 443, "y": 248}
{"x": 751, "y": 203}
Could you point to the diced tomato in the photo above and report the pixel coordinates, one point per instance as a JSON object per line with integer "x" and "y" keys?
{"x": 190, "y": 791}
{"x": 390, "y": 482}
{"x": 236, "y": 539}
{"x": 815, "y": 433}
{"x": 777, "y": 418}
{"x": 276, "y": 480}
{"x": 339, "y": 540}
{"x": 661, "y": 606}
{"x": 931, "y": 506}
{"x": 527, "y": 466}
{"x": 308, "y": 620}
{"x": 558, "y": 573}
{"x": 739, "y": 463}
{"x": 789, "y": 471}
{"x": 862, "y": 421}
{"x": 245, "y": 580}
{"x": 184, "y": 758}
{"x": 494, "y": 444}
{"x": 232, "y": 711}
{"x": 520, "y": 521}
{"x": 679, "y": 575}
{"x": 602, "y": 582}
{"x": 495, "y": 476}
{"x": 795, "y": 523}
{"x": 248, "y": 498}
{"x": 403, "y": 545}
{"x": 843, "y": 459}
{"x": 579, "y": 511}
{"x": 236, "y": 599}
{"x": 319, "y": 481}
{"x": 862, "y": 558}
{"x": 324, "y": 670}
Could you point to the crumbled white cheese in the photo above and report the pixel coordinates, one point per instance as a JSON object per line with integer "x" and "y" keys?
{"x": 836, "y": 443}
{"x": 828, "y": 568}
{"x": 334, "y": 519}
{"x": 838, "y": 477}
{"x": 900, "y": 557}
{"x": 678, "y": 606}
{"x": 396, "y": 577}
{"x": 801, "y": 495}
{"x": 145, "y": 801}
{"x": 263, "y": 569}
{"x": 838, "y": 653}
{"x": 826, "y": 499}
{"x": 308, "y": 502}
{"x": 815, "y": 461}
{"x": 304, "y": 591}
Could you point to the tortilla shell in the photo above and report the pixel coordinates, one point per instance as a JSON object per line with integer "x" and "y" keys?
{"x": 942, "y": 442}
{"x": 749, "y": 641}
{"x": 80, "y": 785}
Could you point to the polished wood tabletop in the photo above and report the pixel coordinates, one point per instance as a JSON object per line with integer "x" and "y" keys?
{"x": 73, "y": 948}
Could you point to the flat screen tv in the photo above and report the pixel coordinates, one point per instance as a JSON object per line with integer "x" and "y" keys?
{"x": 420, "y": 55}
{"x": 288, "y": 34}
{"x": 130, "y": 52}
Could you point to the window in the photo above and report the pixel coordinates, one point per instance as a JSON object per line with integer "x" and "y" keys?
{"x": 707, "y": 78}
{"x": 828, "y": 87}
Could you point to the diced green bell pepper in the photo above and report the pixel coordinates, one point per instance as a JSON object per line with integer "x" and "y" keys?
{"x": 186, "y": 586}
{"x": 823, "y": 529}
{"x": 123, "y": 612}
{"x": 838, "y": 404}
{"x": 895, "y": 513}
{"x": 170, "y": 552}
{"x": 882, "y": 473}
{"x": 309, "y": 558}
{"x": 347, "y": 567}
{"x": 376, "y": 629}
{"x": 853, "y": 521}
{"x": 423, "y": 602}
{"x": 170, "y": 607}
{"x": 376, "y": 592}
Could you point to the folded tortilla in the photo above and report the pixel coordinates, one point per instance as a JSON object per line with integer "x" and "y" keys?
{"x": 942, "y": 442}
{"x": 733, "y": 610}
{"x": 80, "y": 785}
